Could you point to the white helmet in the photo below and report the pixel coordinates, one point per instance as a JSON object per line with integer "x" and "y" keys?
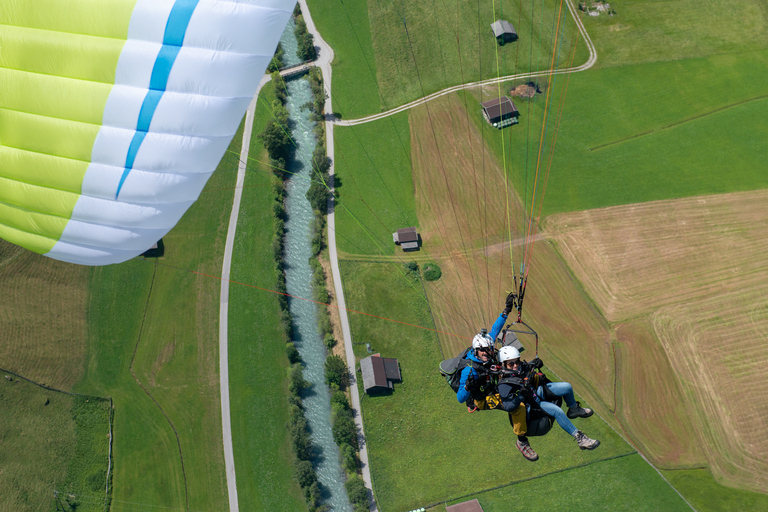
{"x": 507, "y": 353}
{"x": 481, "y": 341}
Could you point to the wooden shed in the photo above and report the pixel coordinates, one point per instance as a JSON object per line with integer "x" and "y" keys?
{"x": 504, "y": 32}
{"x": 407, "y": 238}
{"x": 500, "y": 112}
{"x": 379, "y": 373}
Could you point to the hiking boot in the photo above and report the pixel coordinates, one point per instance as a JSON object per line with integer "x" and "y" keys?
{"x": 527, "y": 451}
{"x": 585, "y": 443}
{"x": 577, "y": 411}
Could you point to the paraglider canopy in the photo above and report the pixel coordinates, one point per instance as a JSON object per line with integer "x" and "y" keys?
{"x": 113, "y": 115}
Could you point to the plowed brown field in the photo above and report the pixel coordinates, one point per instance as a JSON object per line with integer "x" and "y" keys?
{"x": 697, "y": 269}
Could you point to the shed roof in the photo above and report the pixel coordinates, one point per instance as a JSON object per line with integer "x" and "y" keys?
{"x": 391, "y": 368}
{"x": 498, "y": 107}
{"x": 407, "y": 235}
{"x": 379, "y": 372}
{"x": 502, "y": 27}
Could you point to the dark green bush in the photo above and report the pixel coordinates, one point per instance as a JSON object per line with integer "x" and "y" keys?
{"x": 432, "y": 272}
{"x": 345, "y": 431}
{"x": 357, "y": 492}
{"x": 336, "y": 371}
{"x": 296, "y": 380}
{"x": 292, "y": 353}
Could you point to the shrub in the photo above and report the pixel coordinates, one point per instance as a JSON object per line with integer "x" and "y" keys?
{"x": 336, "y": 371}
{"x": 432, "y": 272}
{"x": 348, "y": 458}
{"x": 277, "y": 59}
{"x": 292, "y": 353}
{"x": 357, "y": 492}
{"x": 305, "y": 474}
{"x": 339, "y": 399}
{"x": 344, "y": 430}
{"x": 329, "y": 341}
{"x": 296, "y": 380}
{"x": 411, "y": 269}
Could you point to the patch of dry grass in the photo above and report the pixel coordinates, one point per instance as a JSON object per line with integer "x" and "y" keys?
{"x": 42, "y": 317}
{"x": 696, "y": 269}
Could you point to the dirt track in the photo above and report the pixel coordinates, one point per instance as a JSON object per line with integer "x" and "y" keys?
{"x": 697, "y": 269}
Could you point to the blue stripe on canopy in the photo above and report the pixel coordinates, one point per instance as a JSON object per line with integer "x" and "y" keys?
{"x": 173, "y": 38}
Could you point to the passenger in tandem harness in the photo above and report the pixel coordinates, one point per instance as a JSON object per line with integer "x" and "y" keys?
{"x": 523, "y": 387}
{"x": 477, "y": 383}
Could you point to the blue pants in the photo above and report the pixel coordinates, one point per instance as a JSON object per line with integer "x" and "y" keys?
{"x": 564, "y": 390}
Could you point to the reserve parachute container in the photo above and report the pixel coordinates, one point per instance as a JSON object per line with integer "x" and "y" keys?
{"x": 114, "y": 114}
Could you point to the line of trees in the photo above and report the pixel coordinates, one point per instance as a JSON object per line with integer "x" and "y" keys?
{"x": 277, "y": 141}
{"x": 306, "y": 49}
{"x": 336, "y": 371}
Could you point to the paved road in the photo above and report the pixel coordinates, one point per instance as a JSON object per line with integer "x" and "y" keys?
{"x": 226, "y": 424}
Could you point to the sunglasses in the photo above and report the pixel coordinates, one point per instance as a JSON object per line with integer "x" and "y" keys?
{"x": 516, "y": 361}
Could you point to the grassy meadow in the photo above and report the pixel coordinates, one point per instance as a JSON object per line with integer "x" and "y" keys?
{"x": 654, "y": 120}
{"x": 652, "y": 31}
{"x": 388, "y": 54}
{"x": 374, "y": 184}
{"x": 153, "y": 347}
{"x": 416, "y": 436}
{"x": 50, "y": 441}
{"x": 257, "y": 361}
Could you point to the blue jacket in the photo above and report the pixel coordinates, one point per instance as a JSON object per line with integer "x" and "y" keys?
{"x": 462, "y": 394}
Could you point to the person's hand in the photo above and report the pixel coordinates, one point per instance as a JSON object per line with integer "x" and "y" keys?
{"x": 529, "y": 396}
{"x": 509, "y": 303}
{"x": 536, "y": 363}
{"x": 471, "y": 382}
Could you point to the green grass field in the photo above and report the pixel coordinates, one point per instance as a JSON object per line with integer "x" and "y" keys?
{"x": 707, "y": 495}
{"x": 653, "y": 30}
{"x": 415, "y": 49}
{"x": 376, "y": 191}
{"x": 50, "y": 441}
{"x": 169, "y": 316}
{"x": 257, "y": 360}
{"x": 425, "y": 448}
{"x": 625, "y": 483}
{"x": 640, "y": 133}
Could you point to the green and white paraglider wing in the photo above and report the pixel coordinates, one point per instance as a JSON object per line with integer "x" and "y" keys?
{"x": 113, "y": 114}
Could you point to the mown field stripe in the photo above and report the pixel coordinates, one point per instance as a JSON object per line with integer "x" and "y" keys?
{"x": 688, "y": 120}
{"x": 543, "y": 475}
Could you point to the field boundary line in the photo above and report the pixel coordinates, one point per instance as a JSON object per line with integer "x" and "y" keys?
{"x": 146, "y": 391}
{"x": 72, "y": 393}
{"x": 421, "y": 101}
{"x": 678, "y": 123}
{"x": 522, "y": 480}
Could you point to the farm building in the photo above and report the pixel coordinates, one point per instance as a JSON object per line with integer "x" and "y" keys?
{"x": 504, "y": 32}
{"x": 379, "y": 373}
{"x": 500, "y": 112}
{"x": 407, "y": 238}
